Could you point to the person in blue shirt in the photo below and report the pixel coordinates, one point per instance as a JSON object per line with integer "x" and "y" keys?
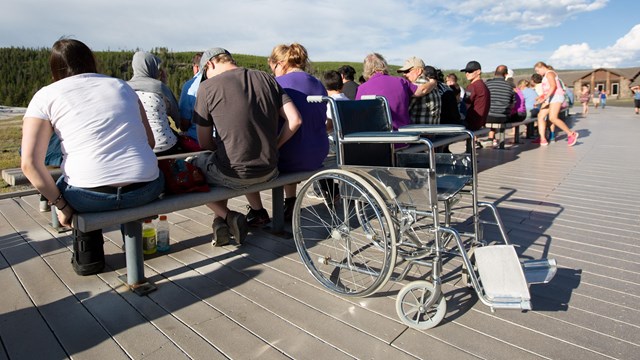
{"x": 530, "y": 96}
{"x": 636, "y": 98}
{"x": 188, "y": 99}
{"x": 603, "y": 98}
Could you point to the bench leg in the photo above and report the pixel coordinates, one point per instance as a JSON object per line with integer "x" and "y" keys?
{"x": 134, "y": 278}
{"x": 277, "y": 211}
{"x": 55, "y": 223}
{"x": 502, "y": 131}
{"x": 516, "y": 136}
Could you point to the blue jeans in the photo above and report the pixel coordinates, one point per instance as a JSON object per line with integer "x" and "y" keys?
{"x": 85, "y": 200}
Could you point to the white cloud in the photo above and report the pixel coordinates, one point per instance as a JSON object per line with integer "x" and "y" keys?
{"x": 525, "y": 14}
{"x": 518, "y": 42}
{"x": 624, "y": 52}
{"x": 447, "y": 34}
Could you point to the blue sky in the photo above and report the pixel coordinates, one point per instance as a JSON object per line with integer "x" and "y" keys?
{"x": 565, "y": 33}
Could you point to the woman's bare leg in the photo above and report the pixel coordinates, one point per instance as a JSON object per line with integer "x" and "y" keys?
{"x": 542, "y": 123}
{"x": 554, "y": 111}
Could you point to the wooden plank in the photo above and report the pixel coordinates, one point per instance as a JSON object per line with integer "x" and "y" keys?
{"x": 18, "y": 313}
{"x": 168, "y": 319}
{"x": 218, "y": 293}
{"x": 90, "y": 294}
{"x": 422, "y": 347}
{"x": 71, "y": 323}
{"x": 19, "y": 316}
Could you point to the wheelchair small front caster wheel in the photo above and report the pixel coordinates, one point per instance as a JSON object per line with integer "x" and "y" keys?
{"x": 417, "y": 307}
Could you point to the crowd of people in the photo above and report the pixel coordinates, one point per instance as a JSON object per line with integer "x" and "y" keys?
{"x": 254, "y": 125}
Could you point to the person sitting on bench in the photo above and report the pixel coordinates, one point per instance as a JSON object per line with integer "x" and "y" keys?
{"x": 244, "y": 106}
{"x": 108, "y": 160}
{"x": 502, "y": 99}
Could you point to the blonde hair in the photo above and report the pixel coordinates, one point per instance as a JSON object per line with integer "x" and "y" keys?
{"x": 374, "y": 63}
{"x": 523, "y": 82}
{"x": 542, "y": 64}
{"x": 291, "y": 56}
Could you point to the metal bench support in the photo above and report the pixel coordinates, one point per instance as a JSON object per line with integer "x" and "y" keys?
{"x": 135, "y": 279}
{"x": 277, "y": 211}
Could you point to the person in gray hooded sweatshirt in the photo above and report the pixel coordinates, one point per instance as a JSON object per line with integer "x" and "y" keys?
{"x": 158, "y": 101}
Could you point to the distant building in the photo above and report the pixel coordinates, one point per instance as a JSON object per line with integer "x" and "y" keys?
{"x": 617, "y": 82}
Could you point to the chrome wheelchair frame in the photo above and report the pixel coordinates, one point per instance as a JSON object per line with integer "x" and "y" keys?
{"x": 354, "y": 225}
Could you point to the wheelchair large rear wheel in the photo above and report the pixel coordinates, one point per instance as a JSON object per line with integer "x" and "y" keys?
{"x": 344, "y": 233}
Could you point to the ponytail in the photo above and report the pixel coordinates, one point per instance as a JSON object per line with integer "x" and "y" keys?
{"x": 293, "y": 56}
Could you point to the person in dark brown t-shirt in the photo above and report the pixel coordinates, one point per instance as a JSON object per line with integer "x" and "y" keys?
{"x": 243, "y": 106}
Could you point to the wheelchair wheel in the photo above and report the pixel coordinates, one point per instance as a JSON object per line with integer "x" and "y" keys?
{"x": 349, "y": 249}
{"x": 418, "y": 307}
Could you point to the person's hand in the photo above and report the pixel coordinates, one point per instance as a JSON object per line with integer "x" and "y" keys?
{"x": 65, "y": 215}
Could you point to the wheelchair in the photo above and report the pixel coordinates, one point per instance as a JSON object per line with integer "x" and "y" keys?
{"x": 382, "y": 210}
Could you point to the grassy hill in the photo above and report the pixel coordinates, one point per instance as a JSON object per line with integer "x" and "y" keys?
{"x": 23, "y": 71}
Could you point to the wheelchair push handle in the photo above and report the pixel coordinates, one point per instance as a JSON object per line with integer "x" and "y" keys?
{"x": 315, "y": 98}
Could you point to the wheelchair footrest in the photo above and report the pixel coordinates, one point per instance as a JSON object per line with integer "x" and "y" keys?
{"x": 539, "y": 271}
{"x": 503, "y": 281}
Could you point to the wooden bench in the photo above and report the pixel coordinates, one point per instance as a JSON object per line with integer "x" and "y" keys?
{"x": 132, "y": 219}
{"x": 564, "y": 115}
{"x": 15, "y": 177}
{"x": 502, "y": 127}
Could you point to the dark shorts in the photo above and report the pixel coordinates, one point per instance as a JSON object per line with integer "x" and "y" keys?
{"x": 637, "y": 102}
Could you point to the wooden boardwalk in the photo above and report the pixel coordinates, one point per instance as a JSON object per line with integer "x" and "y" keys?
{"x": 579, "y": 205}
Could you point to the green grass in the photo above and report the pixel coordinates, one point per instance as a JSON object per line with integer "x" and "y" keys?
{"x": 10, "y": 138}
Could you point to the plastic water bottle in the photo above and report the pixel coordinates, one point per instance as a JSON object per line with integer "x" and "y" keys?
{"x": 148, "y": 237}
{"x": 162, "y": 233}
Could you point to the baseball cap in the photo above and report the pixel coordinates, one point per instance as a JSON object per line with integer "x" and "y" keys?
{"x": 472, "y": 66}
{"x": 411, "y": 63}
{"x": 207, "y": 55}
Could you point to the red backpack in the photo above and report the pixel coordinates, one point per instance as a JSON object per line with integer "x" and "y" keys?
{"x": 181, "y": 177}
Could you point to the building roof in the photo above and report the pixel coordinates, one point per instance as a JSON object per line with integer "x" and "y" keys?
{"x": 629, "y": 73}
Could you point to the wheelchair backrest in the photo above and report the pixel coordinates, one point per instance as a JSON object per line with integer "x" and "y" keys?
{"x": 352, "y": 116}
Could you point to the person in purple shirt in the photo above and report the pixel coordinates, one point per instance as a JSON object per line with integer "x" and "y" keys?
{"x": 309, "y": 146}
{"x": 397, "y": 90}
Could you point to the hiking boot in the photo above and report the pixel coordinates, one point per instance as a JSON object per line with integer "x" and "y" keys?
{"x": 289, "y": 204}
{"x": 257, "y": 218}
{"x": 220, "y": 232}
{"x": 88, "y": 252}
{"x": 238, "y": 226}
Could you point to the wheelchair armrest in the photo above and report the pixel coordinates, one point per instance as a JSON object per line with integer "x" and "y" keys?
{"x": 380, "y": 137}
{"x": 433, "y": 129}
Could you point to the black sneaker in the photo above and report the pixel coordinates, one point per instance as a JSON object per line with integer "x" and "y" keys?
{"x": 289, "y": 204}
{"x": 257, "y": 218}
{"x": 238, "y": 226}
{"x": 220, "y": 232}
